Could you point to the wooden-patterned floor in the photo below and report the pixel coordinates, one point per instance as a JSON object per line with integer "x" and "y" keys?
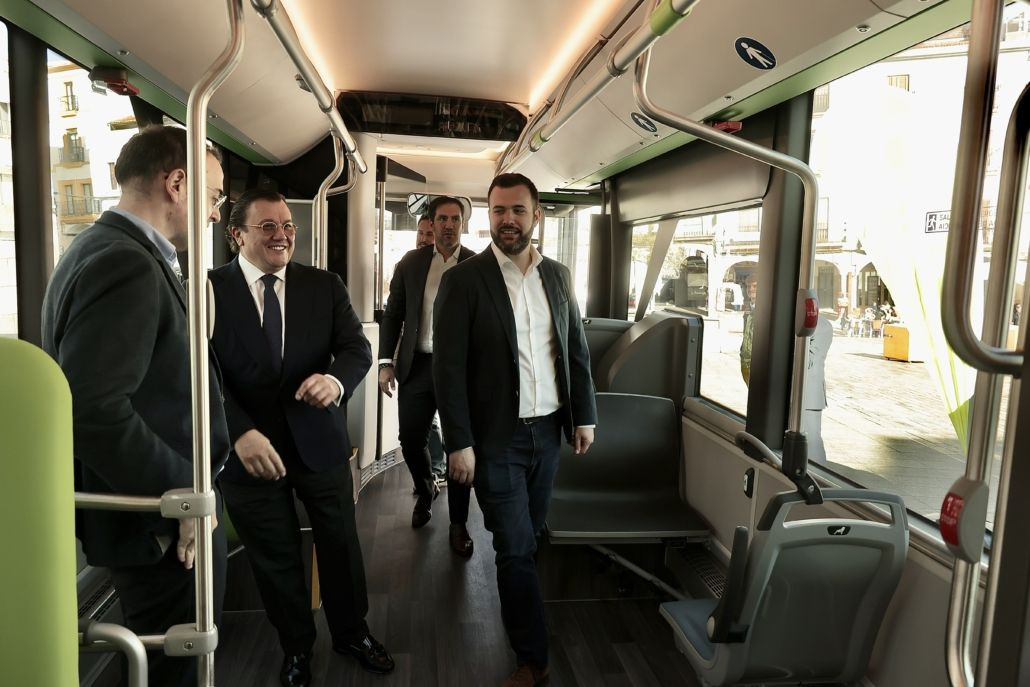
{"x": 440, "y": 618}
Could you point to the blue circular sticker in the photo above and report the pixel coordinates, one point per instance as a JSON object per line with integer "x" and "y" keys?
{"x": 754, "y": 53}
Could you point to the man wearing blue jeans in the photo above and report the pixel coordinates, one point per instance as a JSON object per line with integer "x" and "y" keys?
{"x": 512, "y": 366}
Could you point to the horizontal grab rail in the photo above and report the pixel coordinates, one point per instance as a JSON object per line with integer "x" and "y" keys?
{"x": 275, "y": 15}
{"x": 666, "y": 15}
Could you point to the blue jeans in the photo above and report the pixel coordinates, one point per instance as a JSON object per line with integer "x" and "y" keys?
{"x": 513, "y": 488}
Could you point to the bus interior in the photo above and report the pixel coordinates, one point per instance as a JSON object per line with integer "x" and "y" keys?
{"x": 780, "y": 219}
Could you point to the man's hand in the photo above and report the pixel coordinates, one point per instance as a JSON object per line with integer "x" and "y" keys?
{"x": 186, "y": 548}
{"x": 462, "y": 466}
{"x": 582, "y": 439}
{"x": 318, "y": 391}
{"x": 387, "y": 381}
{"x": 258, "y": 456}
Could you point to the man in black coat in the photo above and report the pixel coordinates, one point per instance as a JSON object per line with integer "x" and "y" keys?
{"x": 292, "y": 352}
{"x": 511, "y": 352}
{"x": 114, "y": 318}
{"x": 409, "y": 319}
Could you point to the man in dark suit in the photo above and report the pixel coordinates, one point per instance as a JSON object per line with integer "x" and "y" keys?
{"x": 114, "y": 318}
{"x": 409, "y": 318}
{"x": 425, "y": 237}
{"x": 292, "y": 353}
{"x": 510, "y": 350}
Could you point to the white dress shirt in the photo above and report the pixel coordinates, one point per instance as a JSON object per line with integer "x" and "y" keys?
{"x": 437, "y": 267}
{"x": 253, "y": 274}
{"x": 534, "y": 330}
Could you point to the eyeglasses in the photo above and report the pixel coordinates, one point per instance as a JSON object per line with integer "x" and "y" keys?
{"x": 220, "y": 197}
{"x": 269, "y": 228}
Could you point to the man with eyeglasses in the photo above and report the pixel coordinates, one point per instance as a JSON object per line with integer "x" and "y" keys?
{"x": 292, "y": 352}
{"x": 114, "y": 318}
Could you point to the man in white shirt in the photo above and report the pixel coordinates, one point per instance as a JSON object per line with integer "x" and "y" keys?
{"x": 292, "y": 352}
{"x": 425, "y": 237}
{"x": 511, "y": 353}
{"x": 407, "y": 329}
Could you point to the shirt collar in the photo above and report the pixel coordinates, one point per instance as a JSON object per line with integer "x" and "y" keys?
{"x": 454, "y": 255}
{"x": 502, "y": 259}
{"x": 163, "y": 245}
{"x": 252, "y": 273}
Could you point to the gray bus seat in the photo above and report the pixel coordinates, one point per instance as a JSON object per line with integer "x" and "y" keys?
{"x": 625, "y": 488}
{"x": 659, "y": 356}
{"x": 601, "y": 333}
{"x": 803, "y": 603}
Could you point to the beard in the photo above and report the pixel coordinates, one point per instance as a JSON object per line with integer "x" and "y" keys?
{"x": 517, "y": 246}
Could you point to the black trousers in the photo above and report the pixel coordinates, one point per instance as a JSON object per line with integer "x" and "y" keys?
{"x": 155, "y": 597}
{"x": 266, "y": 520}
{"x": 513, "y": 487}
{"x": 416, "y": 406}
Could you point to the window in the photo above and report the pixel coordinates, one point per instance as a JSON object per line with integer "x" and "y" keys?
{"x": 898, "y": 81}
{"x": 83, "y": 155}
{"x": 897, "y": 399}
{"x": 8, "y": 273}
{"x": 821, "y": 100}
{"x": 711, "y": 269}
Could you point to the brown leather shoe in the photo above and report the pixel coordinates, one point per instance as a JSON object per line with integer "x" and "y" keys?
{"x": 461, "y": 542}
{"x": 527, "y": 676}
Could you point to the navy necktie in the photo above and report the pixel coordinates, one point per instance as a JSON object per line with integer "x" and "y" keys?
{"x": 272, "y": 322}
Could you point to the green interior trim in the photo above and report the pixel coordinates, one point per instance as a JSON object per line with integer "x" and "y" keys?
{"x": 37, "y": 521}
{"x": 664, "y": 18}
{"x": 927, "y": 24}
{"x": 64, "y": 40}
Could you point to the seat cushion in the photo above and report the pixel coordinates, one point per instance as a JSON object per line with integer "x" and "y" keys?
{"x": 689, "y": 619}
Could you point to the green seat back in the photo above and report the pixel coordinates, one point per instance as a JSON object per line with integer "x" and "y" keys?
{"x": 38, "y": 607}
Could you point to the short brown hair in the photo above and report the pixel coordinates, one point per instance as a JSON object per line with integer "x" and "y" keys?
{"x": 439, "y": 202}
{"x": 154, "y": 150}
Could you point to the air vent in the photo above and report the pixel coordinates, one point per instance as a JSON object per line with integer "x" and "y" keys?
{"x": 429, "y": 115}
{"x": 98, "y": 602}
{"x": 389, "y": 459}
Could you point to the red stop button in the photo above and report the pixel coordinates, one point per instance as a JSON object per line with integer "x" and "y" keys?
{"x": 811, "y": 313}
{"x": 951, "y": 511}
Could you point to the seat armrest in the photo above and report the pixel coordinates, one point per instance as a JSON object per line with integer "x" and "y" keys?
{"x": 722, "y": 624}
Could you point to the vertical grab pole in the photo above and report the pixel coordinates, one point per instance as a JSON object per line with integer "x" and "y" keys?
{"x": 320, "y": 210}
{"x": 794, "y": 448}
{"x": 196, "y": 162}
{"x": 978, "y": 100}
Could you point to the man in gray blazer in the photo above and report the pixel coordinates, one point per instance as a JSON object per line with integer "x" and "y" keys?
{"x": 114, "y": 318}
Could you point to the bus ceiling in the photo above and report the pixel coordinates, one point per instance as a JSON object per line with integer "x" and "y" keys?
{"x": 727, "y": 60}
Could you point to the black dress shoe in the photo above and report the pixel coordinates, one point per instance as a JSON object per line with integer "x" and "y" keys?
{"x": 461, "y": 542}
{"x": 296, "y": 671}
{"x": 423, "y": 511}
{"x": 372, "y": 655}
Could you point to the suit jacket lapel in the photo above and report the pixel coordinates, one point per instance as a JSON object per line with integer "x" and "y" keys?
{"x": 553, "y": 290}
{"x": 241, "y": 307}
{"x": 491, "y": 272}
{"x": 420, "y": 274}
{"x": 299, "y": 303}
{"x": 119, "y": 222}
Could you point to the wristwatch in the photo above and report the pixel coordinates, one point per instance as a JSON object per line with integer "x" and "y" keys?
{"x": 383, "y": 366}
